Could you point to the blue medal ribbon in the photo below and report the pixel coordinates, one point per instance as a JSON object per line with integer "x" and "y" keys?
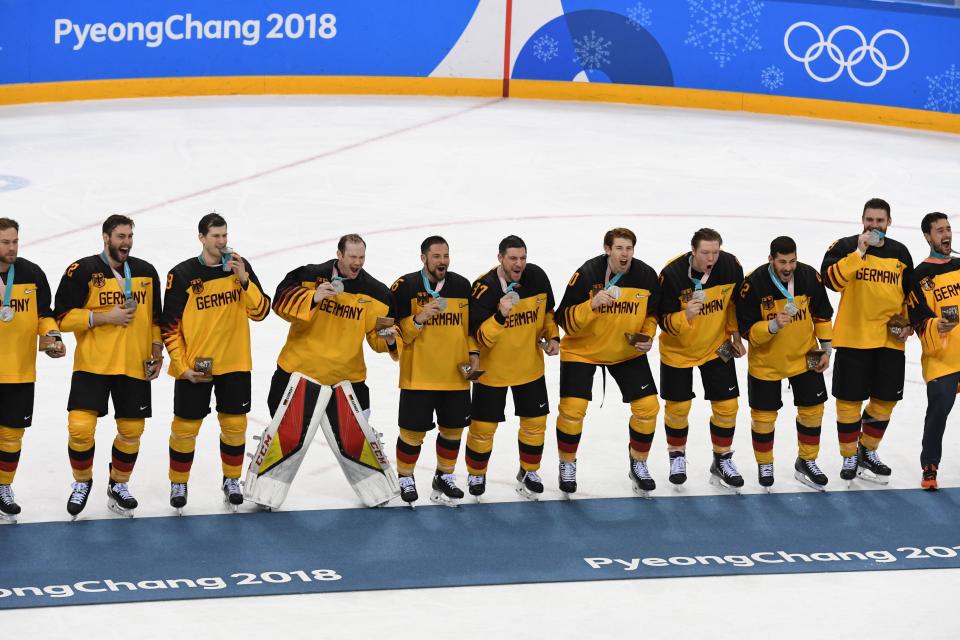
{"x": 936, "y": 254}
{"x": 9, "y": 290}
{"x": 223, "y": 259}
{"x": 428, "y": 288}
{"x": 779, "y": 285}
{"x": 614, "y": 280}
{"x": 127, "y": 280}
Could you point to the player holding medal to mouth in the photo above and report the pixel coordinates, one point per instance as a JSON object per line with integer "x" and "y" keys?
{"x": 699, "y": 325}
{"x": 111, "y": 302}
{"x": 432, "y": 316}
{"x": 209, "y": 302}
{"x": 608, "y": 314}
{"x": 25, "y": 314}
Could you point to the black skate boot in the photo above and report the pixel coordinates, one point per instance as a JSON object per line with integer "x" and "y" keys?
{"x": 678, "y": 468}
{"x": 929, "y": 480}
{"x": 477, "y": 485}
{"x": 568, "y": 477}
{"x": 8, "y": 506}
{"x": 79, "y": 493}
{"x": 445, "y": 490}
{"x": 120, "y": 500}
{"x": 807, "y": 472}
{"x": 848, "y": 470}
{"x": 408, "y": 490}
{"x": 529, "y": 484}
{"x": 232, "y": 495}
{"x": 869, "y": 466}
{"x": 178, "y": 496}
{"x": 639, "y": 475}
{"x": 765, "y": 475}
{"x": 723, "y": 472}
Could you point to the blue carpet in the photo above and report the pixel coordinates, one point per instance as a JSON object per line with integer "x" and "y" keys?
{"x": 215, "y": 556}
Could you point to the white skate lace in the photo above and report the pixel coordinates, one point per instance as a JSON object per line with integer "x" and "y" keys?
{"x": 231, "y": 485}
{"x": 871, "y": 456}
{"x": 850, "y": 463}
{"x": 728, "y": 468}
{"x": 178, "y": 490}
{"x": 678, "y": 464}
{"x": 6, "y": 494}
{"x": 473, "y": 480}
{"x": 811, "y": 466}
{"x": 407, "y": 482}
{"x": 766, "y": 470}
{"x": 532, "y": 476}
{"x": 449, "y": 479}
{"x": 120, "y": 489}
{"x": 568, "y": 471}
{"x": 80, "y": 491}
{"x": 640, "y": 470}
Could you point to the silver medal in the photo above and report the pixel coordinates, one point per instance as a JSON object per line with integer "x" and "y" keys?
{"x": 442, "y": 303}
{"x": 337, "y": 286}
{"x": 876, "y": 237}
{"x": 514, "y": 296}
{"x": 227, "y": 252}
{"x": 699, "y": 295}
{"x": 130, "y": 303}
{"x": 791, "y": 309}
{"x": 6, "y": 313}
{"x": 614, "y": 291}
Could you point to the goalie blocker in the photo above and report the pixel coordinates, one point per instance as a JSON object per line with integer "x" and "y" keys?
{"x": 307, "y": 405}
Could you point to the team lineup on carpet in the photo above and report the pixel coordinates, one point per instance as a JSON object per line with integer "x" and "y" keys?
{"x": 462, "y": 346}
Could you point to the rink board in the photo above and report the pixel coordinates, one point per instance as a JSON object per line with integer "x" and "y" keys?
{"x": 215, "y": 556}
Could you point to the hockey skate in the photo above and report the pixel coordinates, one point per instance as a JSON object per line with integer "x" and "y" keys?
{"x": 848, "y": 470}
{"x": 232, "y": 494}
{"x": 869, "y": 466}
{"x": 568, "y": 478}
{"x": 408, "y": 490}
{"x": 120, "y": 500}
{"x": 8, "y": 506}
{"x": 808, "y": 473}
{"x": 678, "y": 469}
{"x": 529, "y": 484}
{"x": 765, "y": 476}
{"x": 476, "y": 485}
{"x": 445, "y": 490}
{"x": 79, "y": 493}
{"x": 724, "y": 474}
{"x": 927, "y": 483}
{"x": 178, "y": 496}
{"x": 639, "y": 475}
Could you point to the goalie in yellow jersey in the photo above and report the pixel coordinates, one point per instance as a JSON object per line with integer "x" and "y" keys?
{"x": 207, "y": 308}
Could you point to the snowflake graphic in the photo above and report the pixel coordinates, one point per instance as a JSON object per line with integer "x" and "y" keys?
{"x": 944, "y": 91}
{"x": 724, "y": 28}
{"x": 639, "y": 17}
{"x": 592, "y": 51}
{"x": 545, "y": 48}
{"x": 771, "y": 78}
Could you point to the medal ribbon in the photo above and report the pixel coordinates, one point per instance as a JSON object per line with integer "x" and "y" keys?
{"x": 126, "y": 283}
{"x": 936, "y": 254}
{"x": 697, "y": 282}
{"x": 223, "y": 259}
{"x": 779, "y": 285}
{"x": 614, "y": 280}
{"x": 7, "y": 288}
{"x": 426, "y": 285}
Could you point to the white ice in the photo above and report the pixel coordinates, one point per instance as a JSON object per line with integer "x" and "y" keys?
{"x": 291, "y": 174}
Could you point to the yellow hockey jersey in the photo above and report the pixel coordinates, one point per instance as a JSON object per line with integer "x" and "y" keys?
{"x": 431, "y": 354}
{"x": 30, "y": 300}
{"x": 597, "y": 336}
{"x": 325, "y": 341}
{"x": 872, "y": 290}
{"x": 783, "y": 354}
{"x": 939, "y": 281}
{"x": 89, "y": 286}
{"x": 206, "y": 313}
{"x": 508, "y": 345}
{"x": 686, "y": 344}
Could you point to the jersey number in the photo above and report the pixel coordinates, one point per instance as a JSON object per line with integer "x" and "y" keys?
{"x": 479, "y": 289}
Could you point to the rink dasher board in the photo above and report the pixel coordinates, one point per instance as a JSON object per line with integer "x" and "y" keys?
{"x": 215, "y": 556}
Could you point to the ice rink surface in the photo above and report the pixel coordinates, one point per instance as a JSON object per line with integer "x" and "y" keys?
{"x": 292, "y": 174}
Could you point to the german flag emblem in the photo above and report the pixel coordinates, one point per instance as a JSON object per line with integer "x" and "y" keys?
{"x": 99, "y": 281}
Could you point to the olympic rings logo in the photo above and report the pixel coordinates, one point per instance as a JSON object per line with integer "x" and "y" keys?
{"x": 846, "y": 62}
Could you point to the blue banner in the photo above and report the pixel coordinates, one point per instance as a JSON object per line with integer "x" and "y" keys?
{"x": 854, "y": 51}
